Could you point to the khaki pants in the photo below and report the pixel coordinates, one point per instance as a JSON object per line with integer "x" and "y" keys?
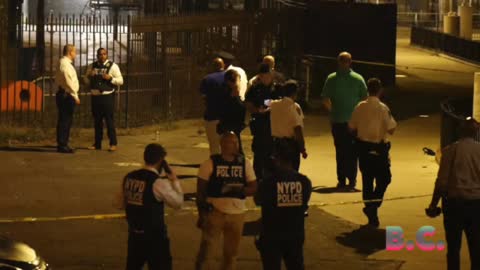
{"x": 217, "y": 223}
{"x": 212, "y": 136}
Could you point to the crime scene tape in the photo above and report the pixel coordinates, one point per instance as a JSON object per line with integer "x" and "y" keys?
{"x": 388, "y": 65}
{"x": 189, "y": 210}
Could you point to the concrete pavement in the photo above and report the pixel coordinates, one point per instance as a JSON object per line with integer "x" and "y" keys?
{"x": 39, "y": 182}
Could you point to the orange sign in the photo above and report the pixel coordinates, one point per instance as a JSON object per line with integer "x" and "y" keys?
{"x": 21, "y": 96}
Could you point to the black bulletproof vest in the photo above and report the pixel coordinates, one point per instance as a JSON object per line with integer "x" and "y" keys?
{"x": 97, "y": 82}
{"x": 144, "y": 212}
{"x": 227, "y": 177}
{"x": 285, "y": 196}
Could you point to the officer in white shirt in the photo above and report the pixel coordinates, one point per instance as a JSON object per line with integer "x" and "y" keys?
{"x": 103, "y": 77}
{"x": 286, "y": 120}
{"x": 372, "y": 122}
{"x": 66, "y": 97}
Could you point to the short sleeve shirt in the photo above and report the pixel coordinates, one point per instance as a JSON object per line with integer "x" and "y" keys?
{"x": 345, "y": 90}
{"x": 226, "y": 205}
{"x": 284, "y": 117}
{"x": 372, "y": 120}
{"x": 213, "y": 88}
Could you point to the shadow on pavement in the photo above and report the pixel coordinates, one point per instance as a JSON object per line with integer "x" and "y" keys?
{"x": 40, "y": 149}
{"x": 329, "y": 190}
{"x": 365, "y": 240}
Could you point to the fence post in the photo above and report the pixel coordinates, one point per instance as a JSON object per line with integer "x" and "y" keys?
{"x": 129, "y": 55}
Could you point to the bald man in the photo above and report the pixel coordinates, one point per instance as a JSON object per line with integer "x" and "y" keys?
{"x": 278, "y": 77}
{"x": 214, "y": 93}
{"x": 342, "y": 91}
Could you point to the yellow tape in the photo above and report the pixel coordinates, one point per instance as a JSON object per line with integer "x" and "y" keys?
{"x": 186, "y": 210}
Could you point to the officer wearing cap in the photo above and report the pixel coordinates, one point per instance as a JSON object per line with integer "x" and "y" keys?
{"x": 224, "y": 182}
{"x": 458, "y": 185}
{"x": 372, "y": 122}
{"x": 143, "y": 196}
{"x": 284, "y": 197}
{"x": 257, "y": 101}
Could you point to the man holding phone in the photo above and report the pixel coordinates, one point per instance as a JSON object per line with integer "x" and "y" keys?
{"x": 143, "y": 196}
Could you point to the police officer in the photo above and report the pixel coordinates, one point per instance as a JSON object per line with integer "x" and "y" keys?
{"x": 224, "y": 182}
{"x": 66, "y": 97}
{"x": 284, "y": 199}
{"x": 103, "y": 76}
{"x": 286, "y": 119}
{"x": 458, "y": 185}
{"x": 256, "y": 100}
{"x": 372, "y": 122}
{"x": 144, "y": 195}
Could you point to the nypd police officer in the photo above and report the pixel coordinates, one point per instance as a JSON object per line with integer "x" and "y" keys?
{"x": 224, "y": 182}
{"x": 256, "y": 101}
{"x": 372, "y": 122}
{"x": 143, "y": 196}
{"x": 103, "y": 77}
{"x": 284, "y": 195}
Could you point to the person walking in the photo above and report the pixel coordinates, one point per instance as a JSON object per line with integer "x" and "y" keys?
{"x": 342, "y": 91}
{"x": 458, "y": 186}
{"x": 371, "y": 123}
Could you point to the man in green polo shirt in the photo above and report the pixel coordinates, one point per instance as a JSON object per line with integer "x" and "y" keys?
{"x": 343, "y": 90}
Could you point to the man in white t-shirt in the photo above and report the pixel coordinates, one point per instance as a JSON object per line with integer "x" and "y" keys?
{"x": 228, "y": 60}
{"x": 224, "y": 182}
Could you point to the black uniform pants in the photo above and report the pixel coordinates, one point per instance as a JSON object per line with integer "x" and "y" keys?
{"x": 345, "y": 153}
{"x": 374, "y": 164}
{"x": 273, "y": 252}
{"x": 459, "y": 216}
{"x": 262, "y": 147}
{"x": 102, "y": 109}
{"x": 144, "y": 248}
{"x": 66, "y": 107}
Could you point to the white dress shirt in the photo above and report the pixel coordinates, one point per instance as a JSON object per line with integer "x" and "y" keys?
{"x": 372, "y": 120}
{"x": 226, "y": 205}
{"x": 459, "y": 172}
{"x": 285, "y": 116}
{"x": 117, "y": 78}
{"x": 243, "y": 80}
{"x": 66, "y": 77}
{"x": 167, "y": 190}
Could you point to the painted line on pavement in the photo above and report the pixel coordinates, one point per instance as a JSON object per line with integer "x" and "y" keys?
{"x": 187, "y": 209}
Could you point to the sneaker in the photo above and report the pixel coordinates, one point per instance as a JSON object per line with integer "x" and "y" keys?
{"x": 93, "y": 147}
{"x": 112, "y": 148}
